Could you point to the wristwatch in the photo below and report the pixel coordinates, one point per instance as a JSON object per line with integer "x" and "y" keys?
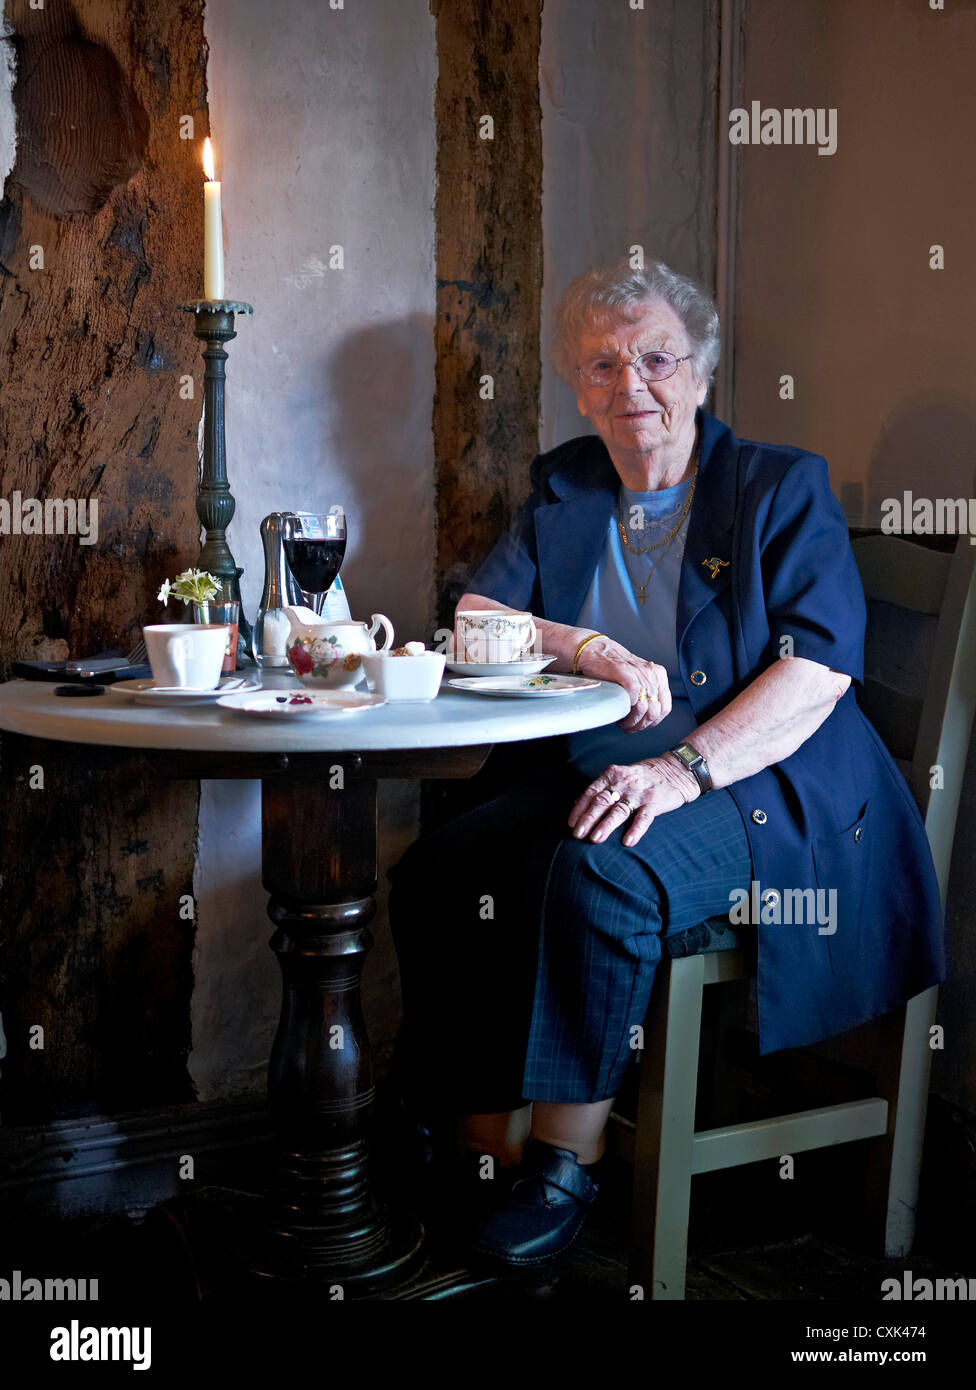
{"x": 696, "y": 765}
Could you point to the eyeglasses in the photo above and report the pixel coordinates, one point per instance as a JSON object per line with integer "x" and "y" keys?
{"x": 652, "y": 366}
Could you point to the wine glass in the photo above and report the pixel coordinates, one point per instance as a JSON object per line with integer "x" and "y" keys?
{"x": 314, "y": 548}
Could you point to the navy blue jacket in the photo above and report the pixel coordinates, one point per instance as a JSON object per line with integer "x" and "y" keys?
{"x": 836, "y": 814}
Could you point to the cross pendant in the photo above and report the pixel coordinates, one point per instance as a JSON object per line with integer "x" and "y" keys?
{"x": 641, "y": 591}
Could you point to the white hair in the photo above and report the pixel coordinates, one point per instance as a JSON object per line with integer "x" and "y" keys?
{"x": 616, "y": 292}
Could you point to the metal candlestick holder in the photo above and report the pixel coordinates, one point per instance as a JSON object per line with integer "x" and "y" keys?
{"x": 214, "y": 326}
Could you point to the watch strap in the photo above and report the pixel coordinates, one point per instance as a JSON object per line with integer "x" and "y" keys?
{"x": 694, "y": 761}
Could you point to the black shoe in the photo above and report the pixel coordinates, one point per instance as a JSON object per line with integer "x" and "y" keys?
{"x": 544, "y": 1212}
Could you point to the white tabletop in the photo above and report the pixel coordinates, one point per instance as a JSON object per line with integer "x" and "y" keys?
{"x": 453, "y": 720}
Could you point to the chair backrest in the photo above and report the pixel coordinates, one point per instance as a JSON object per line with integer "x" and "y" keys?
{"x": 920, "y": 670}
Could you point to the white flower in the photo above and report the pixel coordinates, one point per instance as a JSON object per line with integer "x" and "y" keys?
{"x": 322, "y": 652}
{"x": 192, "y": 586}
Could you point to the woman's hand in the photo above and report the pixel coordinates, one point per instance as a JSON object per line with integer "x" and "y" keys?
{"x": 601, "y": 658}
{"x": 645, "y": 682}
{"x": 636, "y": 793}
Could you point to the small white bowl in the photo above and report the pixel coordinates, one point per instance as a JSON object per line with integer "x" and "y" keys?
{"x": 405, "y": 677}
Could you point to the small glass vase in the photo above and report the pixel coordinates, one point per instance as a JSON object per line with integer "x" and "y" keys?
{"x": 221, "y": 610}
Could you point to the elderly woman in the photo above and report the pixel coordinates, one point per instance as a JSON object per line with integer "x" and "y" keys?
{"x": 712, "y": 578}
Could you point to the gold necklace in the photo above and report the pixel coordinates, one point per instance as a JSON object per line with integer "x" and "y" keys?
{"x": 621, "y": 527}
{"x": 642, "y": 588}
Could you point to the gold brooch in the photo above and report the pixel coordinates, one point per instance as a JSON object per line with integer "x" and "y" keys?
{"x": 714, "y": 564}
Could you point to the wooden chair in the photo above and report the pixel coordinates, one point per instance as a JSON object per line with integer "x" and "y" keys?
{"x": 929, "y": 588}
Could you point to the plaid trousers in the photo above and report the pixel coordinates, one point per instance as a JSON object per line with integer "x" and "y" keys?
{"x": 527, "y": 956}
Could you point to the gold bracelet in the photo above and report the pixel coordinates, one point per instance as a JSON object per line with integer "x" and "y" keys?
{"x": 592, "y": 637}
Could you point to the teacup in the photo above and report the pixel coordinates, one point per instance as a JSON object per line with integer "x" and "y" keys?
{"x": 493, "y": 635}
{"x": 186, "y": 654}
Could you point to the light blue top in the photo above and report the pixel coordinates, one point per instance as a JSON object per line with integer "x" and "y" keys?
{"x": 611, "y": 606}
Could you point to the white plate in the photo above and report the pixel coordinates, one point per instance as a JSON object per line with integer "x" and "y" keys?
{"x": 532, "y": 687}
{"x": 501, "y": 668}
{"x": 270, "y": 705}
{"x": 145, "y": 692}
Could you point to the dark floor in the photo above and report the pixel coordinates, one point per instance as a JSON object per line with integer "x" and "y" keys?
{"x": 753, "y": 1237}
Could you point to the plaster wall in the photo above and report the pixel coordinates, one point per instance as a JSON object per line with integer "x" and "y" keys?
{"x": 628, "y": 128}
{"x": 322, "y": 121}
{"x": 7, "y": 121}
{"x": 835, "y": 287}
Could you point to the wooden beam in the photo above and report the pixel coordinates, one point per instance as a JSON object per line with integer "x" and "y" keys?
{"x": 489, "y": 275}
{"x": 101, "y": 239}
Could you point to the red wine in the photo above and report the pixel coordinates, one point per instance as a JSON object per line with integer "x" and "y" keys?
{"x": 315, "y": 563}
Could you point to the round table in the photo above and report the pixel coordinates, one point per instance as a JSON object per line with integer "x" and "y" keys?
{"x": 453, "y": 720}
{"x": 318, "y": 815}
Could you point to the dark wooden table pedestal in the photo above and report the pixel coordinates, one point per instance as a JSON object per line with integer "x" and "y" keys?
{"x": 322, "y": 1226}
{"x": 319, "y": 865}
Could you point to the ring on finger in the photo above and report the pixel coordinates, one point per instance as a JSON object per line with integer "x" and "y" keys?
{"x": 626, "y": 804}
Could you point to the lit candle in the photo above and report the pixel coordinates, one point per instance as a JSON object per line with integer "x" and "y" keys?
{"x": 213, "y": 231}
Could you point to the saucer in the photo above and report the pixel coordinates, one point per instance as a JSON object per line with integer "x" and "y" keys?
{"x": 299, "y": 704}
{"x": 146, "y": 692}
{"x": 531, "y": 687}
{"x": 528, "y": 667}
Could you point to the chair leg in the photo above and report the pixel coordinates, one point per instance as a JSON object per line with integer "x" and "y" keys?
{"x": 721, "y": 1087}
{"x": 903, "y": 1080}
{"x": 665, "y": 1136}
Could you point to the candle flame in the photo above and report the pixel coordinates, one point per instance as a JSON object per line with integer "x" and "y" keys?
{"x": 208, "y": 159}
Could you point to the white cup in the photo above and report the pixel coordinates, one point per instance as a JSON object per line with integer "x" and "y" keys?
{"x": 493, "y": 635}
{"x": 188, "y": 655}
